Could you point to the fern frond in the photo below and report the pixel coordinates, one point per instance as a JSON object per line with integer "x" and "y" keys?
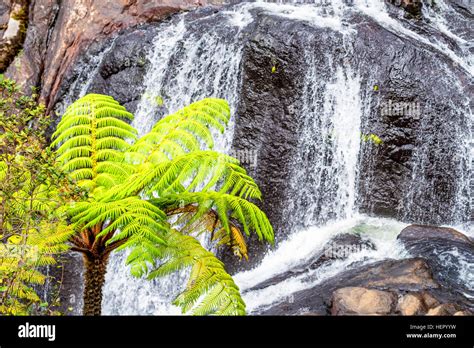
{"x": 210, "y": 289}
{"x": 206, "y": 169}
{"x": 90, "y": 141}
{"x": 129, "y": 217}
{"x": 227, "y": 208}
{"x": 187, "y": 130}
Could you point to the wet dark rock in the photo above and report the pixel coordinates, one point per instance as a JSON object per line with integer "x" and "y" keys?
{"x": 414, "y": 234}
{"x": 123, "y": 67}
{"x": 449, "y": 253}
{"x": 65, "y": 284}
{"x": 411, "y": 115}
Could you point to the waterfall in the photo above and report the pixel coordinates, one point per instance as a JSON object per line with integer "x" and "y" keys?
{"x": 186, "y": 66}
{"x": 324, "y": 189}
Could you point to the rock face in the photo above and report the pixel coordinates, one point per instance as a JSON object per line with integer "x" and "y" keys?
{"x": 413, "y": 174}
{"x": 407, "y": 111}
{"x": 449, "y": 253}
{"x": 119, "y": 73}
{"x": 59, "y": 30}
{"x": 357, "y": 300}
{"x": 400, "y": 277}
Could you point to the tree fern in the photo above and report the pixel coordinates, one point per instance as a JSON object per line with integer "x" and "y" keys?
{"x": 137, "y": 187}
{"x": 91, "y": 138}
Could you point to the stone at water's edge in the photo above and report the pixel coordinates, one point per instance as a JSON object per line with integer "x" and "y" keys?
{"x": 411, "y": 304}
{"x": 395, "y": 276}
{"x": 413, "y": 234}
{"x": 357, "y": 300}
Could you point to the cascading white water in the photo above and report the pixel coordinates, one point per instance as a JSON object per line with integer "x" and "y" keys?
{"x": 185, "y": 67}
{"x": 329, "y": 144}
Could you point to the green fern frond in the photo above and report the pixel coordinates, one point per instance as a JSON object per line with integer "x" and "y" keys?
{"x": 187, "y": 130}
{"x": 131, "y": 217}
{"x": 227, "y": 208}
{"x": 91, "y": 140}
{"x": 210, "y": 289}
{"x": 206, "y": 169}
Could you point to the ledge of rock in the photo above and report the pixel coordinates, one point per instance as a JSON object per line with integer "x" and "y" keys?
{"x": 414, "y": 233}
{"x": 411, "y": 280}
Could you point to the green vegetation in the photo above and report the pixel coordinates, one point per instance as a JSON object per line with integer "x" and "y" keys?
{"x": 33, "y": 196}
{"x": 371, "y": 138}
{"x": 154, "y": 195}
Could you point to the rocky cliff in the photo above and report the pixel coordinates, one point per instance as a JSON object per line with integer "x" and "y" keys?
{"x": 57, "y": 31}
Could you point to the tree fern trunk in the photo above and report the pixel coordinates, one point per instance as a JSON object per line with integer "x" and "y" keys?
{"x": 96, "y": 266}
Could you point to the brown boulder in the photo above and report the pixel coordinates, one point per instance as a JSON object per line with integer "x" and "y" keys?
{"x": 444, "y": 309}
{"x": 362, "y": 301}
{"x": 411, "y": 304}
{"x": 429, "y": 300}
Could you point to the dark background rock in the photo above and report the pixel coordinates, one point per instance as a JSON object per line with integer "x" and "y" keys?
{"x": 412, "y": 175}
{"x": 64, "y": 286}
